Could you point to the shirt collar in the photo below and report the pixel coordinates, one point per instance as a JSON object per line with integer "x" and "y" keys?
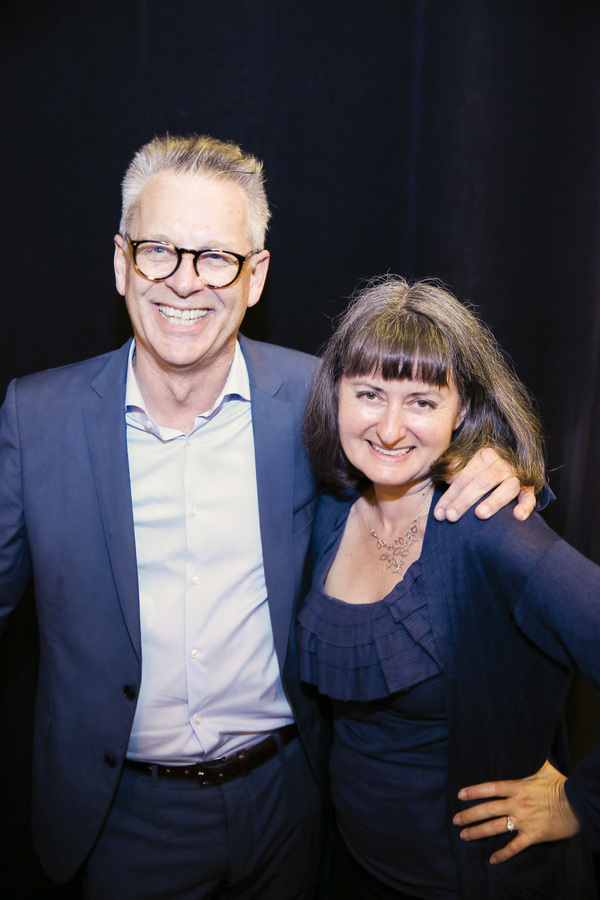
{"x": 237, "y": 385}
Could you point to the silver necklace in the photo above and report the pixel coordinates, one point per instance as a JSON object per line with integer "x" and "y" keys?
{"x": 394, "y": 554}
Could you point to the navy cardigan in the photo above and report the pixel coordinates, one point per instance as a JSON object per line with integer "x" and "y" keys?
{"x": 513, "y": 609}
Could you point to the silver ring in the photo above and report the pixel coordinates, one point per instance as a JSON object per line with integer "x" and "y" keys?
{"x": 510, "y": 825}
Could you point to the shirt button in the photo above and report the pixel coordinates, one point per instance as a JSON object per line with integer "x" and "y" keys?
{"x": 148, "y": 425}
{"x": 195, "y": 579}
{"x": 194, "y": 510}
{"x": 197, "y": 719}
{"x": 195, "y": 654}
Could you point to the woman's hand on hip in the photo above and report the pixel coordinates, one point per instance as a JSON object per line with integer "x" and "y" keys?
{"x": 536, "y": 809}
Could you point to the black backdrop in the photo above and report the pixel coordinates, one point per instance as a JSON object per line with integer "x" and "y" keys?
{"x": 449, "y": 138}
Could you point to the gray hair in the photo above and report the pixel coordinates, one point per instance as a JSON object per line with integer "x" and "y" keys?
{"x": 400, "y": 331}
{"x": 199, "y": 155}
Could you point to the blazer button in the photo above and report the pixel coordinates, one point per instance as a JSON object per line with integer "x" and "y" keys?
{"x": 110, "y": 760}
{"x": 129, "y": 691}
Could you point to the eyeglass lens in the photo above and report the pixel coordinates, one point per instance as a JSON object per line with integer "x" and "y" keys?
{"x": 158, "y": 260}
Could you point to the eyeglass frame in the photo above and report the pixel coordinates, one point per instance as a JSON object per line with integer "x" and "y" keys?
{"x": 195, "y": 253}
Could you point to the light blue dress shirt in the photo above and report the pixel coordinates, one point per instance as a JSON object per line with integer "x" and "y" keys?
{"x": 210, "y": 677}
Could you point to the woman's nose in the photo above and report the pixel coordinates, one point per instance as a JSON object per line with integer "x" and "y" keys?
{"x": 391, "y": 427}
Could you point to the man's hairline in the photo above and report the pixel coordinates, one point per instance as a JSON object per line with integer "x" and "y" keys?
{"x": 201, "y": 175}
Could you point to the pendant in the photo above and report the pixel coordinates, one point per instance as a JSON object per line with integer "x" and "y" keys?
{"x": 394, "y": 554}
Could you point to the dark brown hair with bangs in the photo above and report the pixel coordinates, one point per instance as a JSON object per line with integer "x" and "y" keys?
{"x": 400, "y": 330}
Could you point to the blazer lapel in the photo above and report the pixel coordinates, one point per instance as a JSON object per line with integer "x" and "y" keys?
{"x": 274, "y": 448}
{"x": 105, "y": 426}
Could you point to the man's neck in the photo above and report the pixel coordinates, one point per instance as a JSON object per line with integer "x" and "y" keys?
{"x": 174, "y": 396}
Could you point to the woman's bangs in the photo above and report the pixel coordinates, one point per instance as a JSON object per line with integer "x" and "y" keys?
{"x": 422, "y": 355}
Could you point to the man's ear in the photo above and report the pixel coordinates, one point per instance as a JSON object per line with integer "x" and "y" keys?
{"x": 120, "y": 263}
{"x": 260, "y": 267}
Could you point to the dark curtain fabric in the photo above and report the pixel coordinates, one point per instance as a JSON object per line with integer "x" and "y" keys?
{"x": 446, "y": 138}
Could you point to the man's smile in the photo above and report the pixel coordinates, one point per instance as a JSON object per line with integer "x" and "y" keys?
{"x": 182, "y": 316}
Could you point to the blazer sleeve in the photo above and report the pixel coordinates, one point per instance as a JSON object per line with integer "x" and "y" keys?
{"x": 15, "y": 562}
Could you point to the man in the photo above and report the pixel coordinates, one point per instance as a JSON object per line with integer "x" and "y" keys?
{"x": 161, "y": 497}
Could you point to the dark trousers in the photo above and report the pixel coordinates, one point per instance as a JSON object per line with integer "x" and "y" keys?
{"x": 259, "y": 836}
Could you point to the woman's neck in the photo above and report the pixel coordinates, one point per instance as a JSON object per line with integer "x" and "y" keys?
{"x": 393, "y": 511}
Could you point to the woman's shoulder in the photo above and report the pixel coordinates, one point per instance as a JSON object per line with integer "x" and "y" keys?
{"x": 333, "y": 511}
{"x": 330, "y": 521}
{"x": 501, "y": 537}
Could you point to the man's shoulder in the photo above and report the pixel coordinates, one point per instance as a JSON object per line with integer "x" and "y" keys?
{"x": 279, "y": 370}
{"x": 65, "y": 380}
{"x": 292, "y": 361}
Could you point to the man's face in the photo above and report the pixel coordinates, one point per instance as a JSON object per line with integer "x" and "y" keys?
{"x": 197, "y": 213}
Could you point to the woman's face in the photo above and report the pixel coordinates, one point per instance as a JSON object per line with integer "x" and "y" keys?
{"x": 393, "y": 431}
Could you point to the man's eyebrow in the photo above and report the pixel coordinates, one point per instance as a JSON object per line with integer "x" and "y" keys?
{"x": 217, "y": 244}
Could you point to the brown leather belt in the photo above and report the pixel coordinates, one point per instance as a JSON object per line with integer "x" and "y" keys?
{"x": 218, "y": 771}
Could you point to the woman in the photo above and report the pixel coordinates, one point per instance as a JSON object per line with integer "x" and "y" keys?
{"x": 445, "y": 648}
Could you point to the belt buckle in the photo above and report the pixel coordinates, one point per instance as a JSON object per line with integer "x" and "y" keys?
{"x": 207, "y": 776}
{"x": 201, "y": 773}
{"x": 245, "y": 767}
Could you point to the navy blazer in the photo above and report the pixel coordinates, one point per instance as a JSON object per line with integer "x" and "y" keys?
{"x": 66, "y": 518}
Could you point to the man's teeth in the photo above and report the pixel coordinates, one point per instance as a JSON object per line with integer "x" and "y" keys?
{"x": 182, "y": 316}
{"x": 402, "y": 452}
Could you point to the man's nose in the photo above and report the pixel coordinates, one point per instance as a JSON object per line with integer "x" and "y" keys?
{"x": 185, "y": 280}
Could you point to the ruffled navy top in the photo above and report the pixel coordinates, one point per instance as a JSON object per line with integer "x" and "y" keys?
{"x": 366, "y": 651}
{"x": 380, "y": 665}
